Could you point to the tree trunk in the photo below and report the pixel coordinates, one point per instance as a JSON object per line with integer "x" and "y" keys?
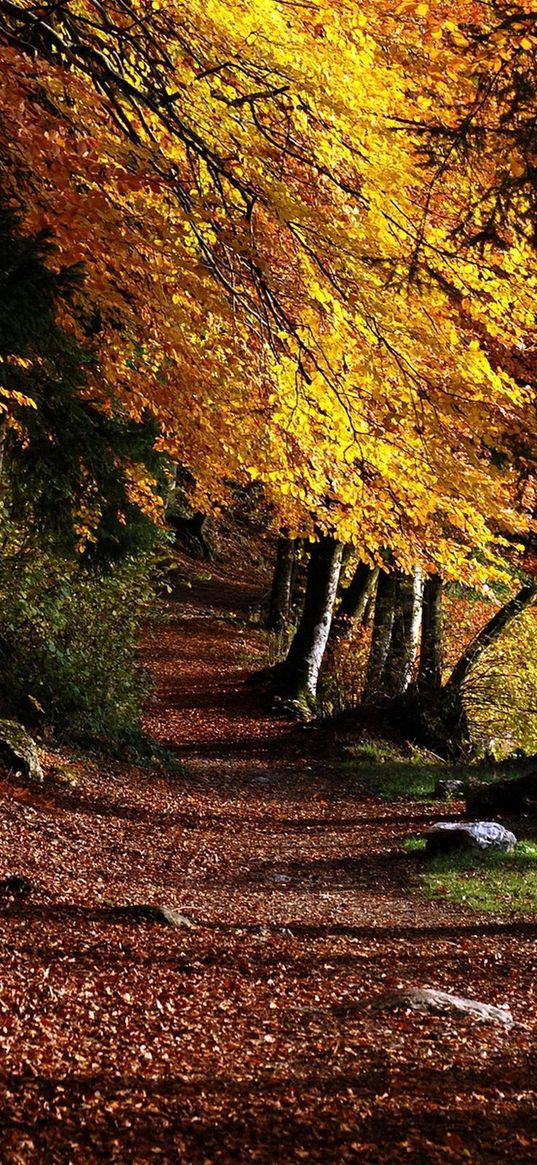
{"x": 354, "y": 600}
{"x": 3, "y": 434}
{"x": 437, "y": 715}
{"x": 300, "y": 672}
{"x": 298, "y": 577}
{"x": 382, "y": 633}
{"x": 192, "y": 532}
{"x": 399, "y": 666}
{"x": 280, "y": 595}
{"x": 369, "y": 612}
{"x": 430, "y": 668}
{"x": 489, "y": 633}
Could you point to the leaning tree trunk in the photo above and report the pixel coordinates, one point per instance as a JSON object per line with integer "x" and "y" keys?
{"x": 403, "y": 649}
{"x": 300, "y": 672}
{"x": 280, "y": 595}
{"x": 452, "y": 707}
{"x": 382, "y": 634}
{"x": 354, "y": 600}
{"x": 431, "y": 656}
{"x": 437, "y": 715}
{"x": 489, "y": 633}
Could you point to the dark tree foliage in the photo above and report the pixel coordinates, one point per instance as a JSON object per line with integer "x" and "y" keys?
{"x": 63, "y": 454}
{"x": 499, "y": 50}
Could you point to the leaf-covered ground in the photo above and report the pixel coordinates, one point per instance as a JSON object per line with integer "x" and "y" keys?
{"x": 238, "y": 1039}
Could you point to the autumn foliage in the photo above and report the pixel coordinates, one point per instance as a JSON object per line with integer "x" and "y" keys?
{"x": 271, "y": 268}
{"x": 308, "y": 255}
{"x": 267, "y": 294}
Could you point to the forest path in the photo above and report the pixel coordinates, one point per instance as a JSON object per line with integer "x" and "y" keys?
{"x": 235, "y": 1039}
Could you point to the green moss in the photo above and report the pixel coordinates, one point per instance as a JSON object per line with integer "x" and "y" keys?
{"x": 396, "y": 771}
{"x": 393, "y": 781}
{"x": 18, "y": 750}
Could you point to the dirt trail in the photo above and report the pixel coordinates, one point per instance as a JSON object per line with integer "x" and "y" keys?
{"x": 236, "y": 1039}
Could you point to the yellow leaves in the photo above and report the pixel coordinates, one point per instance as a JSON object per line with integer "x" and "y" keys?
{"x": 459, "y": 39}
{"x": 410, "y": 6}
{"x": 11, "y": 394}
{"x": 517, "y": 167}
{"x": 322, "y": 294}
{"x": 252, "y": 283}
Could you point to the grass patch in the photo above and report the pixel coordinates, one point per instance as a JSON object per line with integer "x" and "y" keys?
{"x": 500, "y": 883}
{"x": 394, "y": 780}
{"x": 414, "y": 845}
{"x": 395, "y": 771}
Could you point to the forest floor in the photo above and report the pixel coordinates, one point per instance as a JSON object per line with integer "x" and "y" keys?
{"x": 237, "y": 1038}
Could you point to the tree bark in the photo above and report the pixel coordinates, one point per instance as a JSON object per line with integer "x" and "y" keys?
{"x": 298, "y": 577}
{"x": 3, "y": 435}
{"x": 489, "y": 633}
{"x": 403, "y": 649}
{"x": 431, "y": 662}
{"x": 300, "y": 672}
{"x": 354, "y": 599}
{"x": 281, "y": 591}
{"x": 192, "y": 532}
{"x": 369, "y": 612}
{"x": 382, "y": 632}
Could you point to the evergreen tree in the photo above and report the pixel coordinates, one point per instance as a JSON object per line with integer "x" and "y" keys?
{"x": 66, "y": 460}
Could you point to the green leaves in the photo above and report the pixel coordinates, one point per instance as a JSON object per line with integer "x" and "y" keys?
{"x": 69, "y": 638}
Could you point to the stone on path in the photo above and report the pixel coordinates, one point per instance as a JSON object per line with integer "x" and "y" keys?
{"x": 154, "y": 913}
{"x": 446, "y": 836}
{"x": 427, "y": 999}
{"x": 446, "y": 789}
{"x": 18, "y": 751}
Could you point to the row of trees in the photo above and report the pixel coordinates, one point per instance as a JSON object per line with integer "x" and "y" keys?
{"x": 307, "y": 235}
{"x": 406, "y": 674}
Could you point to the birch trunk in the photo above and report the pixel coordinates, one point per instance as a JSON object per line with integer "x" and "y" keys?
{"x": 382, "y": 633}
{"x": 300, "y": 671}
{"x": 403, "y": 650}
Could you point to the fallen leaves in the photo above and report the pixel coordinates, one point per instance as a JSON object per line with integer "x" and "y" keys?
{"x": 238, "y": 1039}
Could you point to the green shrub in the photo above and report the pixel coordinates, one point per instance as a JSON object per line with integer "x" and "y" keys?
{"x": 69, "y": 639}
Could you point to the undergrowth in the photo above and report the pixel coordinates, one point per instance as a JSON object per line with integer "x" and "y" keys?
{"x": 69, "y": 641}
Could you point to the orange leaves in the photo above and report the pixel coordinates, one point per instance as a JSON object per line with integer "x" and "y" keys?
{"x": 248, "y": 219}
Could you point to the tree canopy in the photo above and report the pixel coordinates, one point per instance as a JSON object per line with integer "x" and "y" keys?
{"x": 275, "y": 269}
